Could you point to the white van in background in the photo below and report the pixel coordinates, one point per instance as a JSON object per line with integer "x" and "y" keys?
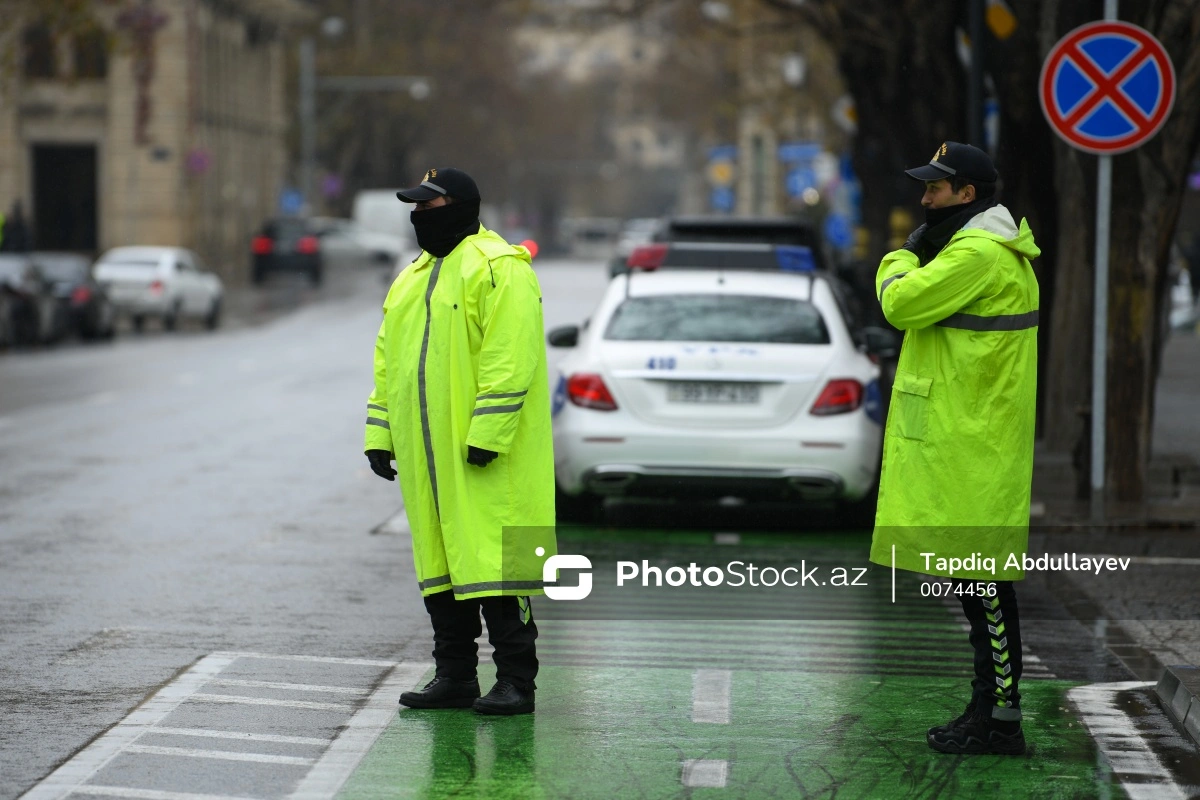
{"x": 382, "y": 222}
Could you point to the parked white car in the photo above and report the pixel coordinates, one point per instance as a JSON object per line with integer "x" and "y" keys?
{"x": 169, "y": 283}
{"x": 728, "y": 380}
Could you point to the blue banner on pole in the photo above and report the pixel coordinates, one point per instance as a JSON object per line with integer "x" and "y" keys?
{"x": 723, "y": 199}
{"x": 838, "y": 231}
{"x": 799, "y": 152}
{"x": 800, "y": 180}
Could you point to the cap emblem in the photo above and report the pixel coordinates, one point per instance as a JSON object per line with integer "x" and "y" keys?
{"x": 941, "y": 151}
{"x": 433, "y": 173}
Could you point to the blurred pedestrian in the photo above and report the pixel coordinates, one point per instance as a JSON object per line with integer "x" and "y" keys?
{"x": 14, "y": 233}
{"x": 462, "y": 403}
{"x": 958, "y": 448}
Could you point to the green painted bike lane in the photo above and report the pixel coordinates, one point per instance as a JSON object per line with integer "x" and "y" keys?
{"x": 813, "y": 707}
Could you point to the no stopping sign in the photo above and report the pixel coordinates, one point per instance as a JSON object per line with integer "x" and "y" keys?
{"x": 1107, "y": 87}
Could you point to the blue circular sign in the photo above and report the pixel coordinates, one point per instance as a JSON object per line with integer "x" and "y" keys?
{"x": 1107, "y": 87}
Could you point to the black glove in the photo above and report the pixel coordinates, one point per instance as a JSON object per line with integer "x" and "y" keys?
{"x": 381, "y": 464}
{"x": 477, "y": 456}
{"x": 913, "y": 242}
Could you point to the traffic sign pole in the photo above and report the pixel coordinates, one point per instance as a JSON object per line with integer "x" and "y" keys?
{"x": 1106, "y": 88}
{"x": 1100, "y": 334}
{"x": 1100, "y": 320}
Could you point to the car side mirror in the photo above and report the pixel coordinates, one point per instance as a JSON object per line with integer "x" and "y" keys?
{"x": 880, "y": 342}
{"x": 566, "y": 336}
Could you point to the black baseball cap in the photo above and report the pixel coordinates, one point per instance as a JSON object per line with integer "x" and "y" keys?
{"x": 955, "y": 159}
{"x": 441, "y": 182}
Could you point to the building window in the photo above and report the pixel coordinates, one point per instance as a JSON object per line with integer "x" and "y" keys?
{"x": 91, "y": 55}
{"x": 40, "y": 56}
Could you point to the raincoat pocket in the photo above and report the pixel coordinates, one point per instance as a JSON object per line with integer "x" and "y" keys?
{"x": 910, "y": 404}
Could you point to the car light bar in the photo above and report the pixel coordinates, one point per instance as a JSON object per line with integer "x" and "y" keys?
{"x": 795, "y": 258}
{"x": 647, "y": 257}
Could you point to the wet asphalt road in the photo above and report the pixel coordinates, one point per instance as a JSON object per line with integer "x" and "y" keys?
{"x": 172, "y": 495}
{"x": 176, "y": 495}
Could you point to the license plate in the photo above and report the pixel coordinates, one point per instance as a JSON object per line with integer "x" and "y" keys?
{"x": 711, "y": 392}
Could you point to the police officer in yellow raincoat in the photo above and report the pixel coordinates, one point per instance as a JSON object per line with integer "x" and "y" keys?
{"x": 958, "y": 448}
{"x": 461, "y": 402}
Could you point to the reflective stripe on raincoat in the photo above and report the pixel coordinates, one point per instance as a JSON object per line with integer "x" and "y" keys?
{"x": 460, "y": 360}
{"x": 958, "y": 447}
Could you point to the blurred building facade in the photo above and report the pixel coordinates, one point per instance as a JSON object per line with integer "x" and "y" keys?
{"x": 161, "y": 122}
{"x": 647, "y": 156}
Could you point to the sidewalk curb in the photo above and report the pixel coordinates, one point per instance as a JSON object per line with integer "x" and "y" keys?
{"x": 1179, "y": 691}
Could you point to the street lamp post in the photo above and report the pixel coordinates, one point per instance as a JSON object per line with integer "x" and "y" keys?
{"x": 417, "y": 86}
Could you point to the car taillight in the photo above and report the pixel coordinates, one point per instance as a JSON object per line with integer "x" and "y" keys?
{"x": 262, "y": 245}
{"x": 838, "y": 397}
{"x": 648, "y": 257}
{"x": 588, "y": 390}
{"x": 308, "y": 245}
{"x": 156, "y": 287}
{"x": 81, "y": 295}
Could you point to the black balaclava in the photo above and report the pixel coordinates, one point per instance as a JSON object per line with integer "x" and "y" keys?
{"x": 945, "y": 222}
{"x": 440, "y": 229}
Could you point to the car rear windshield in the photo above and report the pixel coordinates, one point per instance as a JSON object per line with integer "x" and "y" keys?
{"x": 12, "y": 266}
{"x": 717, "y": 318}
{"x": 64, "y": 268}
{"x": 286, "y": 229}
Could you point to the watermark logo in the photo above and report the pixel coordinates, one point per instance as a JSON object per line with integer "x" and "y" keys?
{"x": 561, "y": 561}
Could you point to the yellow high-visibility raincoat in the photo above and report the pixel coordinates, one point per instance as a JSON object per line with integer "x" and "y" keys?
{"x": 460, "y": 360}
{"x": 958, "y": 447}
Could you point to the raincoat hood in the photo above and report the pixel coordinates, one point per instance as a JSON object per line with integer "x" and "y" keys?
{"x": 997, "y": 224}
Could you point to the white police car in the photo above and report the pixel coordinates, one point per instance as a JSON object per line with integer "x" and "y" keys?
{"x": 715, "y": 370}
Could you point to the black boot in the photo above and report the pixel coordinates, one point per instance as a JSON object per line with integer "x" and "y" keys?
{"x": 942, "y": 730}
{"x": 442, "y": 692}
{"x": 506, "y": 699}
{"x": 976, "y": 734}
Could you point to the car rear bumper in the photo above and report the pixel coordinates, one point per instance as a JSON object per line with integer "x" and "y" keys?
{"x": 610, "y": 480}
{"x": 142, "y": 305}
{"x": 776, "y": 466}
{"x": 288, "y": 262}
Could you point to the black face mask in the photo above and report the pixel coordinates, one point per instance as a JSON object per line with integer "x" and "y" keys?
{"x": 439, "y": 230}
{"x": 945, "y": 222}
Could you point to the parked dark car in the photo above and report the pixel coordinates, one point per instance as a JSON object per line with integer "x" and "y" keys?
{"x": 88, "y": 309}
{"x": 34, "y": 314}
{"x": 287, "y": 244}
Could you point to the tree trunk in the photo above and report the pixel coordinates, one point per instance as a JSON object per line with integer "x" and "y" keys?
{"x": 1148, "y": 184}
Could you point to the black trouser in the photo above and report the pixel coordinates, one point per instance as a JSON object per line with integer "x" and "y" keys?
{"x": 996, "y": 638}
{"x": 511, "y": 630}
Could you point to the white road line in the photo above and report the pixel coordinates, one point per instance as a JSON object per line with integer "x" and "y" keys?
{"x": 224, "y": 755}
{"x": 1123, "y": 747}
{"x": 705, "y": 773}
{"x": 77, "y": 771}
{"x": 151, "y": 794}
{"x": 340, "y": 760}
{"x": 358, "y": 662}
{"x": 395, "y": 525}
{"x": 238, "y": 699}
{"x": 711, "y": 689}
{"x": 205, "y": 733}
{"x": 291, "y": 687}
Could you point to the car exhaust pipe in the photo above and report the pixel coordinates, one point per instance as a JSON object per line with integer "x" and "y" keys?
{"x": 610, "y": 483}
{"x": 814, "y": 488}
